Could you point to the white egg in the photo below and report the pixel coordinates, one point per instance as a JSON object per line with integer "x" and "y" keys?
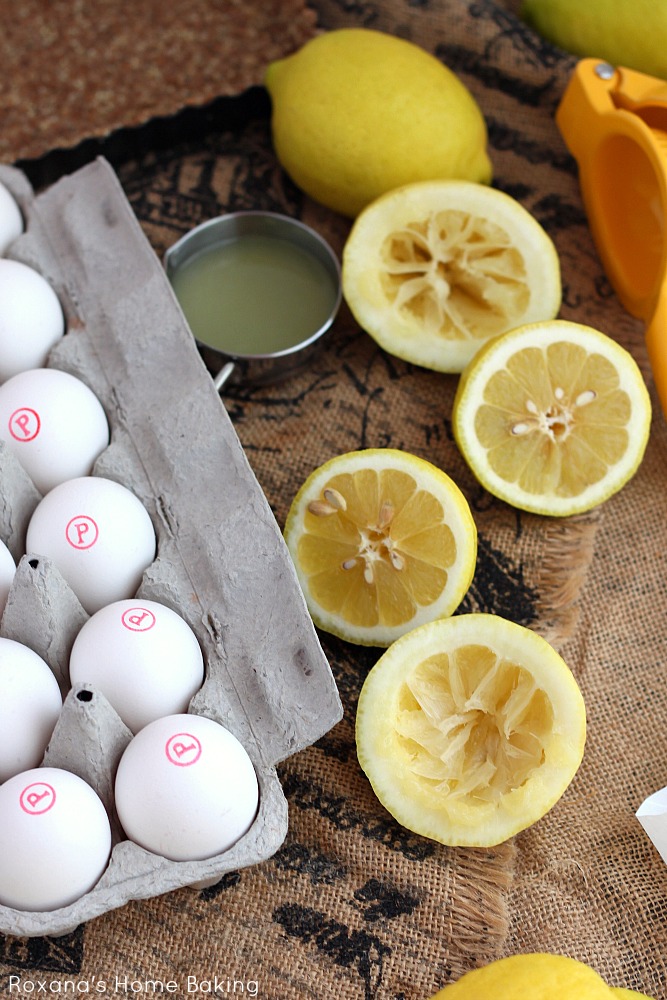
{"x": 98, "y": 534}
{"x": 7, "y": 574}
{"x": 186, "y": 788}
{"x": 31, "y": 318}
{"x": 142, "y": 656}
{"x": 11, "y": 219}
{"x": 30, "y": 704}
{"x": 55, "y": 839}
{"x": 53, "y": 423}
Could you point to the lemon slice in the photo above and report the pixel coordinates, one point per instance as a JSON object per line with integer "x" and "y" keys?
{"x": 382, "y": 541}
{"x": 470, "y": 729}
{"x": 553, "y": 417}
{"x": 433, "y": 269}
{"x": 538, "y": 975}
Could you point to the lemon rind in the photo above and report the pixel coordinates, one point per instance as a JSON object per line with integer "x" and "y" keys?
{"x": 537, "y": 975}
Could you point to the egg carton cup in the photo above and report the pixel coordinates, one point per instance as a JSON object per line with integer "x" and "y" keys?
{"x": 221, "y": 560}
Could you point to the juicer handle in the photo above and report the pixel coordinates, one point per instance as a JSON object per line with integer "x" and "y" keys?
{"x": 656, "y": 346}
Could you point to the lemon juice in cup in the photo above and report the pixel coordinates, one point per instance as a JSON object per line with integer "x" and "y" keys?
{"x": 257, "y": 289}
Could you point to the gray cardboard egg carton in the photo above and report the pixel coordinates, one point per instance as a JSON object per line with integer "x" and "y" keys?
{"x": 221, "y": 560}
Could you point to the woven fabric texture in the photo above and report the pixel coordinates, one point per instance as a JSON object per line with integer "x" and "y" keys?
{"x": 352, "y": 905}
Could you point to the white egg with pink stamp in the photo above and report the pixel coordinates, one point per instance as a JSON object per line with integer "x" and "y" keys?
{"x": 99, "y": 536}
{"x": 53, "y": 423}
{"x": 186, "y": 788}
{"x": 142, "y": 656}
{"x": 55, "y": 839}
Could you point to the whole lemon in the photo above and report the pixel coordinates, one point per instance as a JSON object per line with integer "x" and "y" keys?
{"x": 539, "y": 976}
{"x": 356, "y": 113}
{"x": 628, "y": 33}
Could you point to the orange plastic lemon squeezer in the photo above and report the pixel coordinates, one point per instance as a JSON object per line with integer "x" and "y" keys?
{"x": 614, "y": 122}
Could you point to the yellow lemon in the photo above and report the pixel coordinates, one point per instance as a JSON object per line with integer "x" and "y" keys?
{"x": 382, "y": 541}
{"x": 553, "y": 417}
{"x": 538, "y": 976}
{"x": 434, "y": 269}
{"x": 469, "y": 729}
{"x": 624, "y": 32}
{"x": 357, "y": 112}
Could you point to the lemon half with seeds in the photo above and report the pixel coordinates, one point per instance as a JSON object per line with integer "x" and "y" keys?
{"x": 434, "y": 269}
{"x": 382, "y": 541}
{"x": 470, "y": 729}
{"x": 553, "y": 417}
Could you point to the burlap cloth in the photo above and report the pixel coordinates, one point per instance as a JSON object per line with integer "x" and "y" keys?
{"x": 353, "y": 905}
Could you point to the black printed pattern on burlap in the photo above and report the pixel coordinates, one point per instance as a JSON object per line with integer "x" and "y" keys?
{"x": 175, "y": 187}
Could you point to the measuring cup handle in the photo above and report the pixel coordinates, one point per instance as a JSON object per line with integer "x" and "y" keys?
{"x": 223, "y": 375}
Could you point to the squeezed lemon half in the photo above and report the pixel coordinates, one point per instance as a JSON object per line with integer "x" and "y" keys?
{"x": 536, "y": 975}
{"x": 432, "y": 270}
{"x": 470, "y": 729}
{"x": 382, "y": 541}
{"x": 553, "y": 417}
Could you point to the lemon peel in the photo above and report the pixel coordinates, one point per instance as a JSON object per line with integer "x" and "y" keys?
{"x": 382, "y": 541}
{"x": 470, "y": 729}
{"x": 552, "y": 417}
{"x": 627, "y": 33}
{"x": 433, "y": 270}
{"x": 357, "y": 112}
{"x": 538, "y": 975}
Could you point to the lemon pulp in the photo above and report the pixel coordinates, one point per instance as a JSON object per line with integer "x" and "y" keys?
{"x": 434, "y": 270}
{"x": 382, "y": 540}
{"x": 553, "y": 418}
{"x": 473, "y": 724}
{"x": 470, "y": 729}
{"x": 455, "y": 273}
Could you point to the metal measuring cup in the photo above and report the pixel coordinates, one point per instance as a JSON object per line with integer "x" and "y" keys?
{"x": 271, "y": 366}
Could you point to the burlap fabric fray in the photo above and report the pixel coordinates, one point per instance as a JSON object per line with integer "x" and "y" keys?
{"x": 352, "y": 905}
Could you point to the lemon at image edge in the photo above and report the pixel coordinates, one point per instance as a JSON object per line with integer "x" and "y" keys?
{"x": 434, "y": 270}
{"x": 552, "y": 417}
{"x": 382, "y": 541}
{"x": 628, "y": 33}
{"x": 357, "y": 112}
{"x": 470, "y": 729}
{"x": 534, "y": 975}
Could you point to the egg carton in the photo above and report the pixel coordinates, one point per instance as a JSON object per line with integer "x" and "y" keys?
{"x": 221, "y": 560}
